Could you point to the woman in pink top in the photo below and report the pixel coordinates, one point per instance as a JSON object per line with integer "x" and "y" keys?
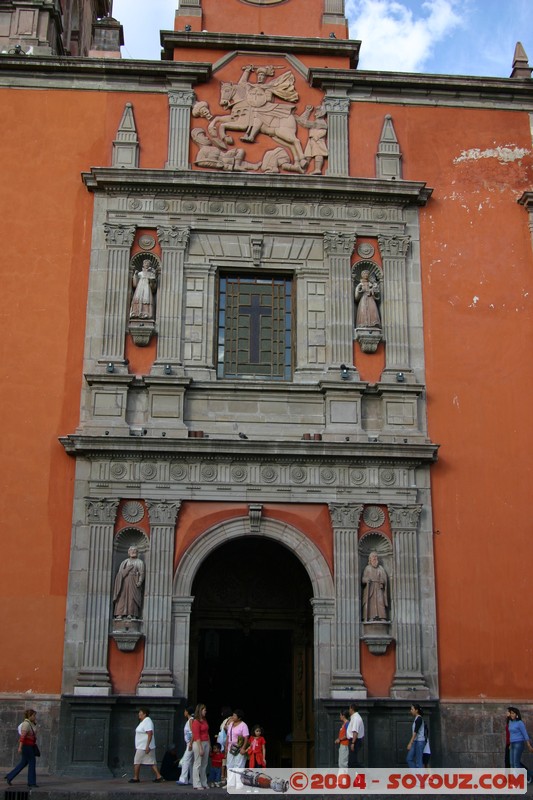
{"x": 200, "y": 747}
{"x": 236, "y": 744}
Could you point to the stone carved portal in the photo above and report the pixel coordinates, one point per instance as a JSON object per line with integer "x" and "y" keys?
{"x": 273, "y": 556}
{"x": 264, "y": 106}
{"x": 251, "y": 643}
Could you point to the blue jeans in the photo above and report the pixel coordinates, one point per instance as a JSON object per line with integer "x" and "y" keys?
{"x": 27, "y": 758}
{"x": 515, "y": 753}
{"x": 415, "y": 753}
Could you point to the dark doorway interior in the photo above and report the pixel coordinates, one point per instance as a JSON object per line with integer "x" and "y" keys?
{"x": 251, "y": 643}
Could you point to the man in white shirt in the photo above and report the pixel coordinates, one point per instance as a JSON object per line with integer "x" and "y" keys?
{"x": 355, "y": 733}
{"x": 187, "y": 758}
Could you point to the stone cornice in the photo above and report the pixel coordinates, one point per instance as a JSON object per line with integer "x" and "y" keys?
{"x": 403, "y": 87}
{"x": 339, "y": 189}
{"x": 352, "y": 453}
{"x": 109, "y": 74}
{"x": 338, "y": 48}
{"x": 526, "y": 200}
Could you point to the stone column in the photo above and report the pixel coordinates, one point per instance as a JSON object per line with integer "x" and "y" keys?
{"x": 339, "y": 248}
{"x": 119, "y": 240}
{"x": 409, "y": 682}
{"x": 323, "y": 613}
{"x": 173, "y": 243}
{"x": 338, "y": 109}
{"x": 347, "y": 679}
{"x": 395, "y": 325}
{"x": 156, "y": 677}
{"x": 93, "y": 677}
{"x": 180, "y": 103}
{"x": 181, "y": 615}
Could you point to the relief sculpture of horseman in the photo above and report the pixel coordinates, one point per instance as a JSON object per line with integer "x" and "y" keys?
{"x": 253, "y": 110}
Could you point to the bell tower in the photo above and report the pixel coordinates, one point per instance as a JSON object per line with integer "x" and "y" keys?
{"x": 311, "y": 18}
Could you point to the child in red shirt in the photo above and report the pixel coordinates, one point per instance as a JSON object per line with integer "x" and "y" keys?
{"x": 257, "y": 748}
{"x": 215, "y": 773}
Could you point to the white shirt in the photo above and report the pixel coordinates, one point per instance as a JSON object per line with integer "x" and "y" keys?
{"x": 356, "y": 725}
{"x": 141, "y": 734}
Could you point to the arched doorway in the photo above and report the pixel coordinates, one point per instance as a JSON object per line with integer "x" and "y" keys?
{"x": 251, "y": 643}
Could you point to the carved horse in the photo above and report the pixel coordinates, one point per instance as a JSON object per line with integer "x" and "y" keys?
{"x": 272, "y": 119}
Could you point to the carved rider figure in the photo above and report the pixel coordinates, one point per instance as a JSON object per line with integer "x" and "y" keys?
{"x": 259, "y": 97}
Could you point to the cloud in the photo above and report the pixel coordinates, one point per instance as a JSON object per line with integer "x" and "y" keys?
{"x": 396, "y": 37}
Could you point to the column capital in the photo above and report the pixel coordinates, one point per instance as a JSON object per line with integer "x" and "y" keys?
{"x": 181, "y": 97}
{"x": 163, "y": 513}
{"x": 103, "y": 510}
{"x": 404, "y": 518}
{"x": 339, "y": 244}
{"x": 174, "y": 237}
{"x": 394, "y": 246}
{"x": 337, "y": 105}
{"x": 345, "y": 515}
{"x": 119, "y": 235}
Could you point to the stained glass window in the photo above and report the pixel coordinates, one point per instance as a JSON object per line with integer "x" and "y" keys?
{"x": 255, "y": 327}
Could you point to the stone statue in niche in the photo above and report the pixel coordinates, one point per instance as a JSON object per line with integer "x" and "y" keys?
{"x": 316, "y": 148}
{"x": 375, "y": 590}
{"x": 127, "y": 591}
{"x": 144, "y": 283}
{"x": 366, "y": 296}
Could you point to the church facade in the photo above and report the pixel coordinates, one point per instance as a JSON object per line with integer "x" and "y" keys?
{"x": 285, "y": 311}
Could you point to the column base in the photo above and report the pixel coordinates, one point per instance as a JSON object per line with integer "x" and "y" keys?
{"x": 409, "y": 687}
{"x": 156, "y": 683}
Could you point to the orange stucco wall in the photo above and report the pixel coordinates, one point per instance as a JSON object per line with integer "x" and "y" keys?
{"x": 477, "y": 281}
{"x": 282, "y": 19}
{"x": 477, "y": 295}
{"x": 197, "y": 518}
{"x": 46, "y": 251}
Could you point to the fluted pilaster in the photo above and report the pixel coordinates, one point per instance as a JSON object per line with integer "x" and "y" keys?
{"x": 346, "y": 666}
{"x": 395, "y": 323}
{"x": 409, "y": 680}
{"x": 119, "y": 239}
{"x": 338, "y": 109}
{"x": 180, "y": 104}
{"x": 156, "y": 676}
{"x": 173, "y": 242}
{"x": 339, "y": 248}
{"x": 101, "y": 515}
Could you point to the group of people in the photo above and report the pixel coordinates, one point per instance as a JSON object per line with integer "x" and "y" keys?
{"x": 210, "y": 763}
{"x": 352, "y": 731}
{"x": 216, "y": 763}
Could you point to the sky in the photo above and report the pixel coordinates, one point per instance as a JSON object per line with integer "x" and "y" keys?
{"x": 446, "y": 37}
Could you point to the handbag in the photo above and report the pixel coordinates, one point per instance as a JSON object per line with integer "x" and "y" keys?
{"x": 36, "y": 750}
{"x": 235, "y": 749}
